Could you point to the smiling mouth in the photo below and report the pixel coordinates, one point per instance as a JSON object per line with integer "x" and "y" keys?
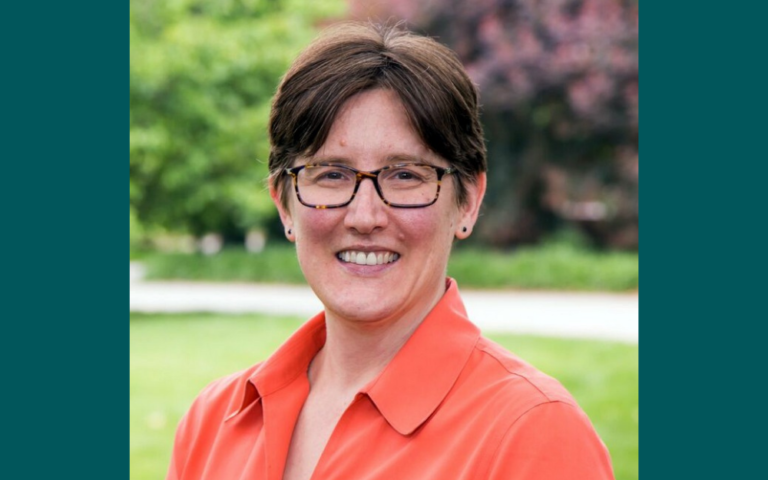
{"x": 367, "y": 258}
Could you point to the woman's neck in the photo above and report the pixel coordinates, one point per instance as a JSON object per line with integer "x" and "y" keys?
{"x": 356, "y": 352}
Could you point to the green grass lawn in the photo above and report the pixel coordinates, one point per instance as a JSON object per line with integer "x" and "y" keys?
{"x": 555, "y": 265}
{"x": 174, "y": 356}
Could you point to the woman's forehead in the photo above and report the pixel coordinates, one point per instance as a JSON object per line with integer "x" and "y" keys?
{"x": 373, "y": 126}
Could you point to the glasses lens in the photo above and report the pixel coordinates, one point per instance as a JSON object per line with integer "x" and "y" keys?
{"x": 409, "y": 184}
{"x": 325, "y": 185}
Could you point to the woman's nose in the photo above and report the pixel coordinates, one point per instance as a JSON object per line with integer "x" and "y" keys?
{"x": 367, "y": 212}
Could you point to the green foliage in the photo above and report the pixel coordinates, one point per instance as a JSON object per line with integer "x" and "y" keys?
{"x": 172, "y": 357}
{"x": 550, "y": 266}
{"x": 202, "y": 76}
{"x": 276, "y": 264}
{"x": 560, "y": 264}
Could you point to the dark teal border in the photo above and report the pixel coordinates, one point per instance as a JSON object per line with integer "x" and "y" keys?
{"x": 702, "y": 260}
{"x": 64, "y": 239}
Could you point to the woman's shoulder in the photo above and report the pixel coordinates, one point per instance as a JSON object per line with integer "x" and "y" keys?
{"x": 541, "y": 428}
{"x": 522, "y": 419}
{"x": 511, "y": 377}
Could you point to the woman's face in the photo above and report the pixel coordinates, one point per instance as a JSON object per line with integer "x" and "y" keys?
{"x": 370, "y": 132}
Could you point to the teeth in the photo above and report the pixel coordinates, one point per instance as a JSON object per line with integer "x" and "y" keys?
{"x": 361, "y": 258}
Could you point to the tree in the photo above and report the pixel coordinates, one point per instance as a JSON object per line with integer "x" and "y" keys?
{"x": 202, "y": 74}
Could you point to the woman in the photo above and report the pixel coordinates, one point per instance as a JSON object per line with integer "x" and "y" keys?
{"x": 377, "y": 165}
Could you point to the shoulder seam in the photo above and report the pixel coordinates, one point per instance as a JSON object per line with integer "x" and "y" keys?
{"x": 528, "y": 380}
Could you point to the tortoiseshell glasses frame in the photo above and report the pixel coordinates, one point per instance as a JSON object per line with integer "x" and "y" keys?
{"x": 424, "y": 185}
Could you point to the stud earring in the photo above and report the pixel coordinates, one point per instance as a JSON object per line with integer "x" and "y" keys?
{"x": 290, "y": 231}
{"x": 464, "y": 229}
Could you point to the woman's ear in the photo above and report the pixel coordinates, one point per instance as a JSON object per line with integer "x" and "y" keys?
{"x": 471, "y": 208}
{"x": 285, "y": 213}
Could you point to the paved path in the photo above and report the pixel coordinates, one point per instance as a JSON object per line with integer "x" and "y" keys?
{"x": 577, "y": 315}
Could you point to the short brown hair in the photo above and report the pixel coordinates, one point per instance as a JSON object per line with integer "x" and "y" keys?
{"x": 440, "y": 100}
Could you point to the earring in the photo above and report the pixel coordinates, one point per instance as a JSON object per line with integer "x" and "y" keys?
{"x": 290, "y": 231}
{"x": 464, "y": 229}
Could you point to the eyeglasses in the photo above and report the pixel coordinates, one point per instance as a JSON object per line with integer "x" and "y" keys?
{"x": 405, "y": 185}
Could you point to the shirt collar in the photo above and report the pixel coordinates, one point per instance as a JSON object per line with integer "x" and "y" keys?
{"x": 289, "y": 361}
{"x": 408, "y": 390}
{"x": 425, "y": 369}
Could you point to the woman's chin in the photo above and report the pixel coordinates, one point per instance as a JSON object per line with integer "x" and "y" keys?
{"x": 360, "y": 305}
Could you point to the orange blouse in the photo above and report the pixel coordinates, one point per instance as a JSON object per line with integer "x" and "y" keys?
{"x": 450, "y": 405}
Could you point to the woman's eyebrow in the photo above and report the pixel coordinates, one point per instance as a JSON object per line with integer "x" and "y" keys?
{"x": 389, "y": 160}
{"x": 330, "y": 159}
{"x": 404, "y": 158}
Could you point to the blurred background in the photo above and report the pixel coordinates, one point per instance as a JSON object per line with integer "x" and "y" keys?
{"x": 559, "y": 90}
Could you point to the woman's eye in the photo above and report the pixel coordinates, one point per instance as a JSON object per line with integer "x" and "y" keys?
{"x": 405, "y": 175}
{"x": 332, "y": 176}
